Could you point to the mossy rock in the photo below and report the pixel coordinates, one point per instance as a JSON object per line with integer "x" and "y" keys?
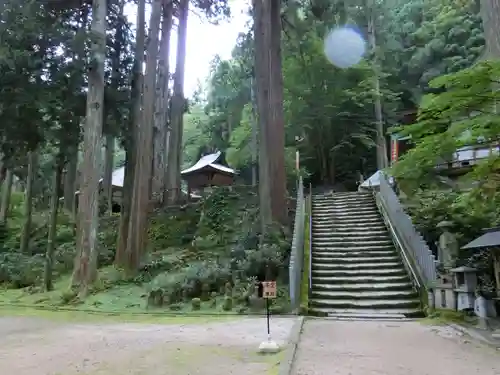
{"x": 196, "y": 304}
{"x": 227, "y": 304}
{"x": 176, "y": 306}
{"x": 213, "y": 300}
{"x": 155, "y": 298}
{"x": 205, "y": 292}
{"x": 242, "y": 310}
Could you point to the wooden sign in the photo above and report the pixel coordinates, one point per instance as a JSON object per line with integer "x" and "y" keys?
{"x": 269, "y": 289}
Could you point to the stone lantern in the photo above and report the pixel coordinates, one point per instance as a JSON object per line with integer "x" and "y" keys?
{"x": 489, "y": 241}
{"x": 465, "y": 283}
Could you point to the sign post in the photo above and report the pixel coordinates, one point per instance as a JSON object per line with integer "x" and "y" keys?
{"x": 268, "y": 292}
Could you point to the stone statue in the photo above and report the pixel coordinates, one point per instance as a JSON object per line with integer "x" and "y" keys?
{"x": 448, "y": 245}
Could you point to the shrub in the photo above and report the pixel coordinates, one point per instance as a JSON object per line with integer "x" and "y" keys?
{"x": 193, "y": 281}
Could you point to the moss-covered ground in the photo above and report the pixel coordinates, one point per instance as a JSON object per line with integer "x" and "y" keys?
{"x": 203, "y": 258}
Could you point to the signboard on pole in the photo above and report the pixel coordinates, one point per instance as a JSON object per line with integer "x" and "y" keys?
{"x": 269, "y": 289}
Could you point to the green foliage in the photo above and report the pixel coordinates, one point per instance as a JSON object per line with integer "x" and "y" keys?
{"x": 174, "y": 227}
{"x": 463, "y": 114}
{"x": 431, "y": 38}
{"x": 224, "y": 250}
{"x": 460, "y": 116}
{"x": 21, "y": 270}
{"x": 468, "y": 216}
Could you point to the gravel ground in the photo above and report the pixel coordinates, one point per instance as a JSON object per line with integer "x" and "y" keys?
{"x": 39, "y": 347}
{"x": 329, "y": 347}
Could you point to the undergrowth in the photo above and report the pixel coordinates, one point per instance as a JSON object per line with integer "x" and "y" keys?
{"x": 203, "y": 257}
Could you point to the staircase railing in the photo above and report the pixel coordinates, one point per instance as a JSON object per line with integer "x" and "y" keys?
{"x": 310, "y": 240}
{"x": 297, "y": 252}
{"x": 417, "y": 256}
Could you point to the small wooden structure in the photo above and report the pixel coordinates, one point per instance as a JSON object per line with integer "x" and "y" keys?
{"x": 490, "y": 241}
{"x": 207, "y": 172}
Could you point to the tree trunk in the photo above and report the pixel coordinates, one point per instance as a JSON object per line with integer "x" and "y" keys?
{"x": 128, "y": 185}
{"x": 28, "y": 203}
{"x": 131, "y": 139}
{"x": 54, "y": 207}
{"x": 85, "y": 270}
{"x": 108, "y": 171}
{"x": 6, "y": 192}
{"x": 70, "y": 180}
{"x": 115, "y": 117}
{"x": 490, "y": 14}
{"x": 160, "y": 138}
{"x": 255, "y": 133}
{"x": 137, "y": 229}
{"x": 276, "y": 124}
{"x": 262, "y": 63}
{"x": 178, "y": 103}
{"x": 3, "y": 171}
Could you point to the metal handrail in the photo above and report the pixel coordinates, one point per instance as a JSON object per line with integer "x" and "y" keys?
{"x": 310, "y": 240}
{"x": 297, "y": 251}
{"x": 416, "y": 253}
{"x": 415, "y": 277}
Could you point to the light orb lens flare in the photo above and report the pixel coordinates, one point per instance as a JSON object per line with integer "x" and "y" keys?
{"x": 344, "y": 47}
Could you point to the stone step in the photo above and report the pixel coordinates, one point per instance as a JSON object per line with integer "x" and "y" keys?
{"x": 338, "y": 249}
{"x": 330, "y": 225}
{"x": 378, "y": 260}
{"x": 369, "y": 313}
{"x": 340, "y": 253}
{"x": 365, "y": 318}
{"x": 400, "y": 271}
{"x": 349, "y": 231}
{"x": 365, "y": 304}
{"x": 342, "y": 215}
{"x": 357, "y": 266}
{"x": 363, "y": 286}
{"x": 336, "y": 221}
{"x": 346, "y": 208}
{"x": 339, "y": 203}
{"x": 363, "y": 279}
{"x": 349, "y": 194}
{"x": 369, "y": 295}
{"x": 323, "y": 242}
{"x": 345, "y": 214}
{"x": 343, "y": 199}
{"x": 352, "y": 194}
{"x": 348, "y": 219}
{"x": 334, "y": 237}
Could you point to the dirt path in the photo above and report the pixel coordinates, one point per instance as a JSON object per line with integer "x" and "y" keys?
{"x": 39, "y": 347}
{"x": 330, "y": 347}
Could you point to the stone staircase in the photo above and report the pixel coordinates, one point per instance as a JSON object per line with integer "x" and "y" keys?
{"x": 356, "y": 270}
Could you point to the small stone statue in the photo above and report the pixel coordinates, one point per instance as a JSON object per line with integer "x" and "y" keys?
{"x": 447, "y": 246}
